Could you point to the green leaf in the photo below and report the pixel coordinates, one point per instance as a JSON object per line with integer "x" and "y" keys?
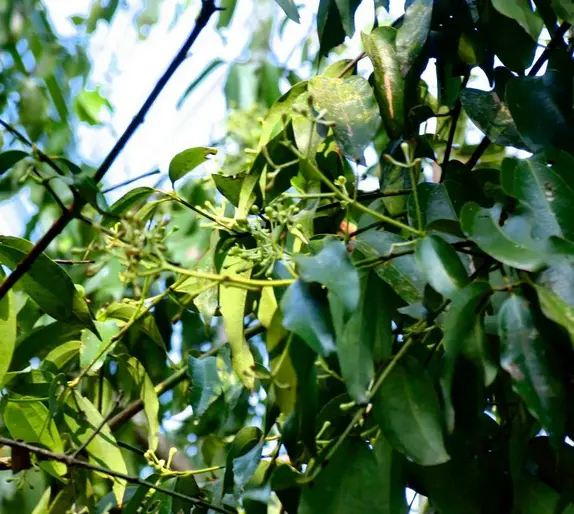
{"x": 103, "y": 450}
{"x": 126, "y": 203}
{"x": 10, "y": 158}
{"x": 233, "y": 301}
{"x": 273, "y": 124}
{"x": 243, "y": 457}
{"x": 188, "y": 160}
{"x": 290, "y": 9}
{"x": 349, "y": 103}
{"x": 553, "y": 125}
{"x": 441, "y": 265}
{"x": 510, "y": 244}
{"x": 521, "y": 11}
{"x": 527, "y": 357}
{"x": 332, "y": 267}
{"x": 229, "y": 186}
{"x": 216, "y": 63}
{"x": 347, "y": 10}
{"x": 61, "y": 355}
{"x": 564, "y": 9}
{"x": 350, "y": 482}
{"x": 438, "y": 209}
{"x": 407, "y": 410}
{"x": 206, "y": 386}
{"x": 47, "y": 284}
{"x": 555, "y": 289}
{"x": 412, "y": 34}
{"x": 32, "y": 422}
{"x": 380, "y": 47}
{"x": 93, "y": 346}
{"x": 329, "y": 27}
{"x": 126, "y": 312}
{"x": 148, "y": 396}
{"x": 7, "y": 331}
{"x": 491, "y": 116}
{"x": 89, "y": 104}
{"x": 367, "y": 337}
{"x": 401, "y": 273}
{"x": 547, "y": 193}
{"x": 307, "y": 315}
{"x": 226, "y": 14}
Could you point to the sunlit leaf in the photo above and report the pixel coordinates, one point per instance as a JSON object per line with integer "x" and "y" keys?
{"x": 94, "y": 350}
{"x": 187, "y": 161}
{"x": 7, "y": 331}
{"x": 89, "y": 104}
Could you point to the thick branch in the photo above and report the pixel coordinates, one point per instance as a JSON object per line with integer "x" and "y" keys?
{"x": 207, "y": 9}
{"x": 71, "y": 461}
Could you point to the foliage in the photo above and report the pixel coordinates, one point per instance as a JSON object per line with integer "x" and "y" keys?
{"x": 326, "y": 348}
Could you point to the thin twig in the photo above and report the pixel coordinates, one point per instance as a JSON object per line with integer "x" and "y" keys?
{"x": 70, "y": 461}
{"x": 137, "y": 405}
{"x": 455, "y": 116}
{"x": 130, "y": 181}
{"x": 557, "y": 38}
{"x": 71, "y": 261}
{"x": 98, "y": 429}
{"x": 351, "y": 64}
{"x": 207, "y": 9}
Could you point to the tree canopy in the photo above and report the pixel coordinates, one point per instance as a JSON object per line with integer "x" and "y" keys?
{"x": 366, "y": 308}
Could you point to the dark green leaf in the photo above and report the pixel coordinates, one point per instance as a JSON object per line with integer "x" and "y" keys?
{"x": 547, "y": 193}
{"x": 188, "y": 160}
{"x": 553, "y": 124}
{"x": 240, "y": 458}
{"x": 350, "y": 482}
{"x": 521, "y": 11}
{"x": 290, "y": 9}
{"x": 564, "y": 9}
{"x": 412, "y": 34}
{"x": 349, "y": 103}
{"x": 401, "y": 273}
{"x": 127, "y": 202}
{"x": 511, "y": 244}
{"x": 441, "y": 265}
{"x": 491, "y": 116}
{"x": 332, "y": 267}
{"x": 9, "y": 158}
{"x": 306, "y": 314}
{"x": 347, "y": 10}
{"x": 528, "y": 359}
{"x": 329, "y": 27}
{"x": 407, "y": 410}
{"x": 206, "y": 385}
{"x": 47, "y": 284}
{"x": 380, "y": 47}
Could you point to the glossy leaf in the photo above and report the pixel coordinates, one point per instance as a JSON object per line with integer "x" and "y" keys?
{"x": 10, "y": 158}
{"x": 529, "y": 361}
{"x": 206, "y": 386}
{"x": 47, "y": 284}
{"x": 61, "y": 356}
{"x": 350, "y": 482}
{"x": 233, "y": 301}
{"x": 380, "y": 47}
{"x": 547, "y": 193}
{"x": 441, "y": 265}
{"x": 7, "y": 331}
{"x": 351, "y": 105}
{"x": 413, "y": 32}
{"x": 243, "y": 457}
{"x": 407, "y": 410}
{"x": 401, "y": 273}
{"x": 332, "y": 267}
{"x": 33, "y": 423}
{"x": 186, "y": 161}
{"x": 103, "y": 449}
{"x": 511, "y": 243}
{"x": 329, "y": 27}
{"x": 491, "y": 116}
{"x": 307, "y": 315}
